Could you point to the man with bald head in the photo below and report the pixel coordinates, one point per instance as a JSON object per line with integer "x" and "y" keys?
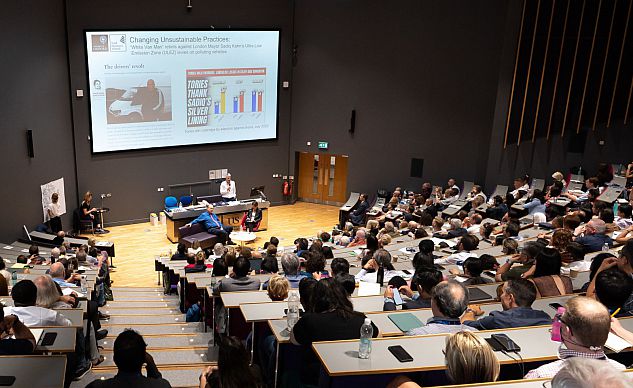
{"x": 449, "y": 300}
{"x": 212, "y": 224}
{"x": 584, "y": 328}
{"x": 58, "y": 273}
{"x": 594, "y": 236}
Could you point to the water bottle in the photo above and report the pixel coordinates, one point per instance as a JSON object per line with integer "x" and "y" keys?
{"x": 605, "y": 247}
{"x": 380, "y": 275}
{"x": 293, "y": 309}
{"x": 366, "y": 334}
{"x": 14, "y": 278}
{"x": 83, "y": 288}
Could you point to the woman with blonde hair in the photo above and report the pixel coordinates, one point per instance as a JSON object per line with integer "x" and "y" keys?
{"x": 278, "y": 287}
{"x": 469, "y": 359}
{"x": 86, "y": 210}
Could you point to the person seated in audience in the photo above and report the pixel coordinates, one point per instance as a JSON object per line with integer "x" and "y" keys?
{"x": 3, "y": 270}
{"x": 469, "y": 360}
{"x": 561, "y": 239}
{"x": 269, "y": 261}
{"x": 449, "y": 300}
{"x": 233, "y": 369}
{"x": 130, "y": 354}
{"x": 347, "y": 281}
{"x": 623, "y": 263}
{"x": 625, "y": 235}
{"x": 359, "y": 239}
{"x": 211, "y": 223}
{"x": 466, "y": 245}
{"x": 489, "y": 262}
{"x": 21, "y": 259}
{"x": 239, "y": 279}
{"x": 332, "y": 319}
{"x": 589, "y": 373}
{"x": 574, "y": 252}
{"x": 357, "y": 216}
{"x": 301, "y": 244}
{"x": 339, "y": 265}
{"x": 220, "y": 269}
{"x": 58, "y": 273}
{"x": 521, "y": 186}
{"x": 594, "y": 237}
{"x": 198, "y": 264}
{"x": 546, "y": 274}
{"x": 525, "y": 259}
{"x": 372, "y": 227}
{"x": 510, "y": 246}
{"x": 584, "y": 328}
{"x": 327, "y": 252}
{"x": 273, "y": 240}
{"x": 536, "y": 203}
{"x": 590, "y": 183}
{"x": 384, "y": 240}
{"x": 55, "y": 253}
{"x": 498, "y": 208}
{"x": 315, "y": 266}
{"x": 516, "y": 300}
{"x": 15, "y": 337}
{"x": 218, "y": 251}
{"x": 450, "y": 195}
{"x": 455, "y": 230}
{"x": 381, "y": 258}
{"x": 24, "y": 294}
{"x": 291, "y": 266}
{"x": 623, "y": 219}
{"x": 278, "y": 288}
{"x": 473, "y": 269}
{"x": 423, "y": 281}
{"x": 34, "y": 255}
{"x": 475, "y": 223}
{"x": 389, "y": 230}
{"x": 613, "y": 289}
{"x": 610, "y": 226}
{"x": 475, "y": 192}
{"x": 485, "y": 230}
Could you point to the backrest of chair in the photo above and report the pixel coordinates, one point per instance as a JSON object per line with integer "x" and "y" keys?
{"x": 186, "y": 200}
{"x": 188, "y": 231}
{"x": 171, "y": 202}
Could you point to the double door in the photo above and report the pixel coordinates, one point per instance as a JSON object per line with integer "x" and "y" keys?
{"x": 322, "y": 178}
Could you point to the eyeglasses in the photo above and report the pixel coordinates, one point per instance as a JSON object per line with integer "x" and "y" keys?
{"x": 547, "y": 384}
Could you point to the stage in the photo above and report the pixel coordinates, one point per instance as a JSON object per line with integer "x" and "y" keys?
{"x": 137, "y": 244}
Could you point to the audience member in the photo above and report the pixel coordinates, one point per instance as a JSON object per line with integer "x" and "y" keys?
{"x": 291, "y": 265}
{"x": 339, "y": 265}
{"x": 239, "y": 279}
{"x": 423, "y": 281}
{"x": 546, "y": 274}
{"x": 516, "y": 300}
{"x": 332, "y": 318}
{"x": 449, "y": 300}
{"x": 623, "y": 263}
{"x": 233, "y": 369}
{"x": 278, "y": 288}
{"x": 21, "y": 342}
{"x": 525, "y": 259}
{"x": 594, "y": 236}
{"x": 613, "y": 289}
{"x": 589, "y": 373}
{"x": 130, "y": 355}
{"x": 382, "y": 258}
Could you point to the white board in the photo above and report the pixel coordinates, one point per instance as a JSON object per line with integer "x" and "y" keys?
{"x": 56, "y": 186}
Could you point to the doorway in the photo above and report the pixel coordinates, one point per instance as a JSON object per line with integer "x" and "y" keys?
{"x": 322, "y": 178}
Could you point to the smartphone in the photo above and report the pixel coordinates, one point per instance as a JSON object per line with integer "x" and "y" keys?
{"x": 80, "y": 271}
{"x": 406, "y": 271}
{"x": 7, "y": 381}
{"x": 48, "y": 339}
{"x": 400, "y": 354}
{"x": 397, "y": 298}
{"x": 494, "y": 344}
{"x": 555, "y": 305}
{"x": 506, "y": 342}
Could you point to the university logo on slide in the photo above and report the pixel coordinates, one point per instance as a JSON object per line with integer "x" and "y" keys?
{"x": 100, "y": 43}
{"x": 117, "y": 43}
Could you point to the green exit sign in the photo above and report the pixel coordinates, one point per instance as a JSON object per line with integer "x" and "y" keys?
{"x": 323, "y": 145}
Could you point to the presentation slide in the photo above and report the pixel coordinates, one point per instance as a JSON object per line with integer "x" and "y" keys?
{"x": 153, "y": 89}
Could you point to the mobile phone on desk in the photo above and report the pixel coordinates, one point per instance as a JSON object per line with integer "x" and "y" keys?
{"x": 406, "y": 271}
{"x": 494, "y": 344}
{"x": 48, "y": 339}
{"x": 7, "y": 381}
{"x": 555, "y": 305}
{"x": 507, "y": 343}
{"x": 400, "y": 354}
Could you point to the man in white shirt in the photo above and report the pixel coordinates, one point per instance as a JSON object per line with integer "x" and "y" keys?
{"x": 227, "y": 189}
{"x": 24, "y": 295}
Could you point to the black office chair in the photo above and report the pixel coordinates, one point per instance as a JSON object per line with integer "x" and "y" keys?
{"x": 81, "y": 225}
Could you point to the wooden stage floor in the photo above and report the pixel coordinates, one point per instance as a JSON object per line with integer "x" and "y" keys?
{"x": 137, "y": 244}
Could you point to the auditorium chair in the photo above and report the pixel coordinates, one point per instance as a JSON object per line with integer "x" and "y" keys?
{"x": 80, "y": 225}
{"x": 186, "y": 200}
{"x": 171, "y": 202}
{"x": 190, "y": 234}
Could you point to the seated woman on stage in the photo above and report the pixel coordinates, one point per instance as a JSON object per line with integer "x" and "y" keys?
{"x": 86, "y": 210}
{"x": 253, "y": 217}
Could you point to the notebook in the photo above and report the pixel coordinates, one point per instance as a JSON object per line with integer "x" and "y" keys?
{"x": 616, "y": 343}
{"x": 405, "y": 322}
{"x": 368, "y": 289}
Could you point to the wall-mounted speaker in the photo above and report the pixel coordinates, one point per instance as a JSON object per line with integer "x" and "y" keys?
{"x": 29, "y": 143}
{"x": 417, "y": 168}
{"x": 352, "y": 121}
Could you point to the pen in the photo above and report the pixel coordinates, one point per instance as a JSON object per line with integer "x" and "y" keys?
{"x": 615, "y": 312}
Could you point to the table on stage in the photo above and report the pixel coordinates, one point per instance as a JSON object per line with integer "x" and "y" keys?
{"x": 230, "y": 215}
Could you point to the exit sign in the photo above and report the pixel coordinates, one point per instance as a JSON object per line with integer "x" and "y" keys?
{"x": 323, "y": 145}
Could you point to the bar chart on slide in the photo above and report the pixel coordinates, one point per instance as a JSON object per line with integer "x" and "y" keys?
{"x": 221, "y": 97}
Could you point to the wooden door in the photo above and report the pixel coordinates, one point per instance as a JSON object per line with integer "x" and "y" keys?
{"x": 322, "y": 178}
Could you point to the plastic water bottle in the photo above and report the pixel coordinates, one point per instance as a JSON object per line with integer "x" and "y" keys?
{"x": 293, "y": 309}
{"x": 83, "y": 288}
{"x": 605, "y": 247}
{"x": 366, "y": 334}
{"x": 14, "y": 278}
